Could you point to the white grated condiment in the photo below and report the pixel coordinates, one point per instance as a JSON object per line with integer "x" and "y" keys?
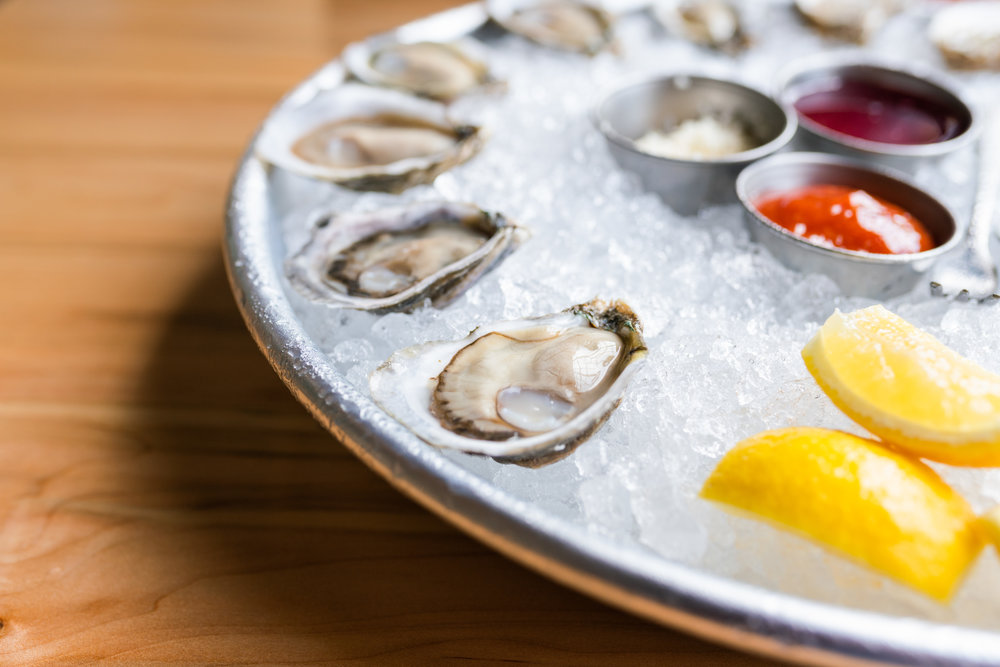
{"x": 702, "y": 138}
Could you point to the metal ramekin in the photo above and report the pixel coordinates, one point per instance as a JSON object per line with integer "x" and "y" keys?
{"x": 816, "y": 72}
{"x": 629, "y": 112}
{"x": 857, "y": 273}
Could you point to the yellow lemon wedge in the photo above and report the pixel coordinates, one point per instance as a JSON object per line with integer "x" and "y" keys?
{"x": 908, "y": 388}
{"x": 991, "y": 526}
{"x": 876, "y": 505}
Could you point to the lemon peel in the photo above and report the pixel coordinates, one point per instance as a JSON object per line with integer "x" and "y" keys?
{"x": 991, "y": 526}
{"x": 876, "y": 505}
{"x": 907, "y": 387}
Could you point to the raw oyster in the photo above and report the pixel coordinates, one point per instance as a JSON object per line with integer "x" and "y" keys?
{"x": 393, "y": 259}
{"x": 429, "y": 69}
{"x": 521, "y": 391}
{"x": 367, "y": 138}
{"x": 563, "y": 24}
{"x": 968, "y": 35}
{"x": 853, "y": 20}
{"x": 713, "y": 23}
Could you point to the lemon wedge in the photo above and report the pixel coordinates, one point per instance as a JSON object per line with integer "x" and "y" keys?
{"x": 876, "y": 505}
{"x": 991, "y": 526}
{"x": 908, "y": 388}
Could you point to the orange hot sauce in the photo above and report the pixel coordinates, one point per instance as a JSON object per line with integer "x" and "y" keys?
{"x": 848, "y": 218}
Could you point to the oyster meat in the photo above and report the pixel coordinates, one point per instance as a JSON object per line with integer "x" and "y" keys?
{"x": 353, "y": 143}
{"x": 563, "y": 24}
{"x": 521, "y": 391}
{"x": 968, "y": 35}
{"x": 853, "y": 20}
{"x": 367, "y": 138}
{"x": 430, "y": 69}
{"x": 713, "y": 23}
{"x": 394, "y": 259}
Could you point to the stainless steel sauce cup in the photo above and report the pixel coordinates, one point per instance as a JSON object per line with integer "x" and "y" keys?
{"x": 823, "y": 71}
{"x": 858, "y": 273}
{"x": 628, "y": 113}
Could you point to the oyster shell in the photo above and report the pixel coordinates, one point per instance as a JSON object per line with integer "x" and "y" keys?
{"x": 563, "y": 24}
{"x": 367, "y": 138}
{"x": 968, "y": 35}
{"x": 853, "y": 20}
{"x": 441, "y": 71}
{"x": 713, "y": 23}
{"x": 521, "y": 391}
{"x": 393, "y": 259}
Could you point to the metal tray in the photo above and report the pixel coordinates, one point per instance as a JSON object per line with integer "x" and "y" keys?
{"x": 740, "y": 615}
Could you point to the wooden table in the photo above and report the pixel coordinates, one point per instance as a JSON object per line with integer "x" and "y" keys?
{"x": 163, "y": 499}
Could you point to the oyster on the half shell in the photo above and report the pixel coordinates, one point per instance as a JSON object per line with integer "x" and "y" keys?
{"x": 441, "y": 71}
{"x": 393, "y": 259}
{"x": 968, "y": 35}
{"x": 367, "y": 138}
{"x": 563, "y": 24}
{"x": 852, "y": 20}
{"x": 522, "y": 391}
{"x": 713, "y": 23}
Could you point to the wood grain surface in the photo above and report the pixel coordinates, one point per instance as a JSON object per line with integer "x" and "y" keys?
{"x": 163, "y": 499}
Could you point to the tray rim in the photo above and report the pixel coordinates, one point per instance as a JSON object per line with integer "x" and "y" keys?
{"x": 742, "y": 616}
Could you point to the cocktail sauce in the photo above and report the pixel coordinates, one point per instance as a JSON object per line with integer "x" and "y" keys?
{"x": 848, "y": 218}
{"x": 870, "y": 112}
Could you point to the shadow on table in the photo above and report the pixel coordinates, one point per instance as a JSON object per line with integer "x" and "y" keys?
{"x": 307, "y": 555}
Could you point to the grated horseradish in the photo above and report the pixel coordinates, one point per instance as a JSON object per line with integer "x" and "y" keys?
{"x": 697, "y": 139}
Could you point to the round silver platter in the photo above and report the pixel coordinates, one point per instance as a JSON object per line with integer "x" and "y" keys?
{"x": 740, "y": 615}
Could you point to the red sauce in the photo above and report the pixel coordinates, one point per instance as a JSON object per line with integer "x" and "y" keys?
{"x": 849, "y": 218}
{"x": 879, "y": 114}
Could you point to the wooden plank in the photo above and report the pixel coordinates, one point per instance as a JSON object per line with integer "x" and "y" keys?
{"x": 162, "y": 202}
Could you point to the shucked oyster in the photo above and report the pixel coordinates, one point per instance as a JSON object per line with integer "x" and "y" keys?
{"x": 395, "y": 258}
{"x": 367, "y": 138}
{"x": 430, "y": 69}
{"x": 521, "y": 391}
{"x": 853, "y": 20}
{"x": 713, "y": 23}
{"x": 968, "y": 35}
{"x": 563, "y": 24}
